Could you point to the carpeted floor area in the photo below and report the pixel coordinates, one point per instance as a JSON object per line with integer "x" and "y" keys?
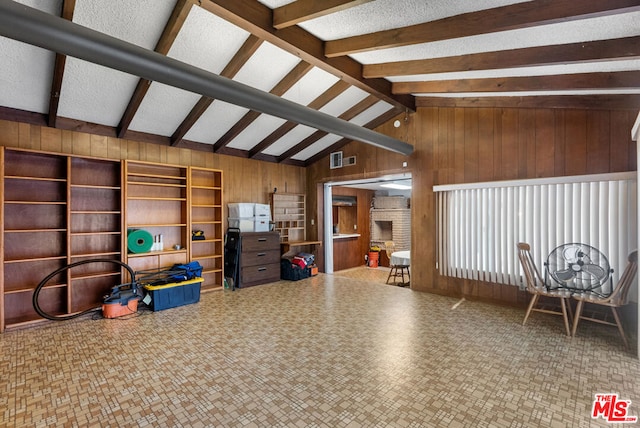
{"x": 327, "y": 351}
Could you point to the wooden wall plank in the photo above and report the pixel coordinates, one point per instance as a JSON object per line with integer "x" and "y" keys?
{"x": 598, "y": 141}
{"x": 526, "y": 143}
{"x": 485, "y": 145}
{"x": 559, "y": 139}
{"x": 509, "y": 148}
{"x": 99, "y": 146}
{"x": 620, "y": 142}
{"x": 51, "y": 140}
{"x": 544, "y": 143}
{"x": 471, "y": 145}
{"x": 575, "y": 142}
{"x": 459, "y": 134}
{"x": 10, "y": 133}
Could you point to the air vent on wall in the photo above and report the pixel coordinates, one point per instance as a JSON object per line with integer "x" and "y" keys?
{"x": 351, "y": 160}
{"x": 335, "y": 160}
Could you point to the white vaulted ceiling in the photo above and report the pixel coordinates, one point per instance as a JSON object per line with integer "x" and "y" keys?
{"x": 459, "y": 53}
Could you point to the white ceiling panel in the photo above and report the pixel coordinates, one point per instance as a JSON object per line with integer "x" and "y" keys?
{"x": 344, "y": 101}
{"x": 158, "y": 115}
{"x": 378, "y": 109}
{"x": 94, "y": 93}
{"x": 20, "y": 87}
{"x": 317, "y": 147}
{"x": 210, "y": 50}
{"x": 311, "y": 86}
{"x": 256, "y": 131}
{"x": 98, "y": 94}
{"x": 295, "y": 136}
{"x": 585, "y": 30}
{"x": 266, "y": 67}
{"x": 388, "y": 14}
{"x": 215, "y": 122}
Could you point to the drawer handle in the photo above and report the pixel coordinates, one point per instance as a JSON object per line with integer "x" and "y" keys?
{"x": 262, "y": 269}
{"x": 262, "y": 239}
{"x": 262, "y": 254}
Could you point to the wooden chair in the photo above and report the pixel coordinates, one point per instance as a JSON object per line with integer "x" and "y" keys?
{"x": 540, "y": 294}
{"x": 397, "y": 271}
{"x": 618, "y": 298}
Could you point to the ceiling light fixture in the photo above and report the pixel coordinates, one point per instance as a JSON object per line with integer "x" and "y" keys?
{"x": 396, "y": 186}
{"x": 32, "y": 26}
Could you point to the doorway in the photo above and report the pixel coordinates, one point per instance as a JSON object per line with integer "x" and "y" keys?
{"x": 387, "y": 185}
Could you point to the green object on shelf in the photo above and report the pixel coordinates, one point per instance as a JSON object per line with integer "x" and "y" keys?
{"x": 139, "y": 241}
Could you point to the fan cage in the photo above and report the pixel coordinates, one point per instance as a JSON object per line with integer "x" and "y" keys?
{"x": 579, "y": 268}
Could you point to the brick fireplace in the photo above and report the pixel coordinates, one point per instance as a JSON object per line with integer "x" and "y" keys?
{"x": 391, "y": 224}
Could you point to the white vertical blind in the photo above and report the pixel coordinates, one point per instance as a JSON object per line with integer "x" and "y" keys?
{"x": 480, "y": 224}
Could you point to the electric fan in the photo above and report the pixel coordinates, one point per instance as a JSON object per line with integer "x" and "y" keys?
{"x": 579, "y": 267}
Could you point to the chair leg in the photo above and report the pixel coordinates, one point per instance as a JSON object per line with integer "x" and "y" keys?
{"x": 563, "y": 304}
{"x": 620, "y": 329}
{"x": 389, "y": 277}
{"x": 576, "y": 317}
{"x": 534, "y": 299}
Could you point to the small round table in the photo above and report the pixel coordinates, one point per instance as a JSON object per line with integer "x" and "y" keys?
{"x": 399, "y": 261}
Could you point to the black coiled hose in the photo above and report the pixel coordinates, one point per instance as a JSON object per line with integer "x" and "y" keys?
{"x": 36, "y": 292}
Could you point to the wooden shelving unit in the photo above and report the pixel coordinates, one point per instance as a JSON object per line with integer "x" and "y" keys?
{"x": 156, "y": 201}
{"x": 288, "y": 210}
{"x": 94, "y": 213}
{"x": 54, "y": 212}
{"x": 61, "y": 209}
{"x": 205, "y": 207}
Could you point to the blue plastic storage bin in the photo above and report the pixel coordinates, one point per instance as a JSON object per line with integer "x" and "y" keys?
{"x": 174, "y": 294}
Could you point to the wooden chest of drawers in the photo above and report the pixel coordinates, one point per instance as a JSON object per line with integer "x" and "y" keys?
{"x": 259, "y": 258}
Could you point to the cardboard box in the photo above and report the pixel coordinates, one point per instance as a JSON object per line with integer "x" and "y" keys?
{"x": 174, "y": 294}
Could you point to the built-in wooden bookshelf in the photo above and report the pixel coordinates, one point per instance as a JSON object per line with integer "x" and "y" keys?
{"x": 288, "y": 211}
{"x": 205, "y": 207}
{"x": 57, "y": 210}
{"x": 61, "y": 209}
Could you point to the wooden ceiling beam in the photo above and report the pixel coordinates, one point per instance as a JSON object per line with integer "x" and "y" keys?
{"x": 623, "y": 48}
{"x": 248, "y": 48}
{"x": 512, "y": 17}
{"x": 283, "y": 86}
{"x": 612, "y": 80}
{"x": 256, "y": 18}
{"x": 304, "y": 10}
{"x": 68, "y": 7}
{"x": 339, "y": 87}
{"x": 347, "y": 115}
{"x": 171, "y": 30}
{"x": 586, "y": 102}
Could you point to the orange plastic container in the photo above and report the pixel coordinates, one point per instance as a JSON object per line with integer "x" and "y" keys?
{"x": 117, "y": 309}
{"x": 373, "y": 259}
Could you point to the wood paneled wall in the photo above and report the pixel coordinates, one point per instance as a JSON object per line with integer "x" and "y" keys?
{"x": 244, "y": 180}
{"x": 463, "y": 145}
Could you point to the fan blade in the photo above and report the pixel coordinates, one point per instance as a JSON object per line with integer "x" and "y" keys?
{"x": 565, "y": 275}
{"x": 570, "y": 254}
{"x": 596, "y": 271}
